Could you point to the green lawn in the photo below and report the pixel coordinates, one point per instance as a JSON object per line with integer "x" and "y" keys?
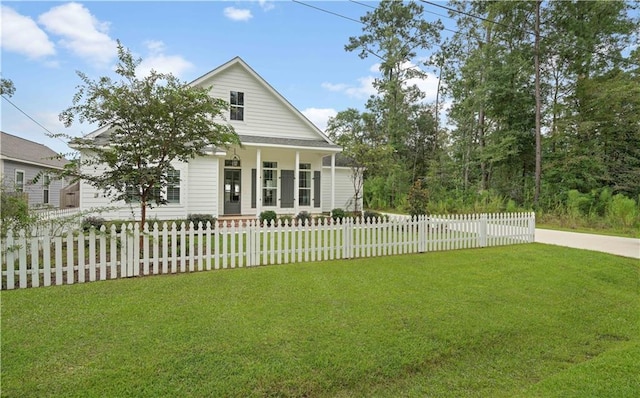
{"x": 517, "y": 321}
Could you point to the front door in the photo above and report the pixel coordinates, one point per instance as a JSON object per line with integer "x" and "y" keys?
{"x": 232, "y": 191}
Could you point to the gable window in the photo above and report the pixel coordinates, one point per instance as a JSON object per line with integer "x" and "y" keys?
{"x": 304, "y": 187}
{"x": 269, "y": 183}
{"x": 46, "y": 181}
{"x": 19, "y": 181}
{"x": 237, "y": 105}
{"x": 173, "y": 187}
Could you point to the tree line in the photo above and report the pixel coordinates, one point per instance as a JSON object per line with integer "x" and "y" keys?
{"x": 535, "y": 100}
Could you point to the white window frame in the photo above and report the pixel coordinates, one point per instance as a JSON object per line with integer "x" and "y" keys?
{"x": 237, "y": 107}
{"x": 273, "y": 168}
{"x": 176, "y": 186}
{"x": 19, "y": 187}
{"x": 46, "y": 183}
{"x": 305, "y": 168}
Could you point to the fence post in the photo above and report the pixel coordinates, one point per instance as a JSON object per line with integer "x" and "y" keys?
{"x": 482, "y": 230}
{"x": 532, "y": 227}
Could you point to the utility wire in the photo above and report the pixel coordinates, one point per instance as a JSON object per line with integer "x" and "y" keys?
{"x": 594, "y": 52}
{"x": 327, "y": 11}
{"x": 32, "y": 119}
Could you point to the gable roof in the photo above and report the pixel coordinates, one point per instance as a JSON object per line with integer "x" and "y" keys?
{"x": 239, "y": 61}
{"x": 18, "y": 149}
{"x": 322, "y": 142}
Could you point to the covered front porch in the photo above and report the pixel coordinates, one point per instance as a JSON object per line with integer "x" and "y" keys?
{"x": 279, "y": 174}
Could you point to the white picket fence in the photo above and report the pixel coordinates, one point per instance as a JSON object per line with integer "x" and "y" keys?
{"x": 31, "y": 260}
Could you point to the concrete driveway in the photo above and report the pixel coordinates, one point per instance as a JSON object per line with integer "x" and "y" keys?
{"x": 626, "y": 247}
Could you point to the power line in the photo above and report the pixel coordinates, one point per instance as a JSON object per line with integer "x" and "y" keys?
{"x": 32, "y": 119}
{"x": 594, "y": 52}
{"x": 327, "y": 11}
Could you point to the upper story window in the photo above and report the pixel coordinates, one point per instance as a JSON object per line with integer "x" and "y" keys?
{"x": 237, "y": 105}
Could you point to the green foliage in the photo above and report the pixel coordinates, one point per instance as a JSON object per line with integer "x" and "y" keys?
{"x": 196, "y": 219}
{"x": 14, "y": 212}
{"x": 152, "y": 122}
{"x": 623, "y": 210}
{"x": 373, "y": 216}
{"x": 418, "y": 199}
{"x": 304, "y": 217}
{"x": 286, "y": 219}
{"x": 338, "y": 215}
{"x": 7, "y": 87}
{"x": 268, "y": 217}
{"x": 94, "y": 222}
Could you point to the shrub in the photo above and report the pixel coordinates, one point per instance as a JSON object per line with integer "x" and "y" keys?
{"x": 337, "y": 215}
{"x": 286, "y": 219}
{"x": 304, "y": 218}
{"x": 202, "y": 218}
{"x": 370, "y": 216}
{"x": 92, "y": 222}
{"x": 14, "y": 211}
{"x": 268, "y": 217}
{"x": 418, "y": 199}
{"x": 622, "y": 211}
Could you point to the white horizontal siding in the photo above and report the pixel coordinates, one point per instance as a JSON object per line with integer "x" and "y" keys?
{"x": 264, "y": 113}
{"x": 201, "y": 190}
{"x": 94, "y": 202}
{"x": 344, "y": 189}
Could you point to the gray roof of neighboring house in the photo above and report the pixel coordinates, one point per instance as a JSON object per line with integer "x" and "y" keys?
{"x": 341, "y": 161}
{"x": 21, "y": 150}
{"x": 254, "y": 139}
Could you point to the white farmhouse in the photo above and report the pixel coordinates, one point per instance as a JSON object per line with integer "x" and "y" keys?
{"x": 279, "y": 166}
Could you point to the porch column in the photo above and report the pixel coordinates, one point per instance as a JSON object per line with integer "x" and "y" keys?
{"x": 333, "y": 181}
{"x": 258, "y": 183}
{"x": 296, "y": 184}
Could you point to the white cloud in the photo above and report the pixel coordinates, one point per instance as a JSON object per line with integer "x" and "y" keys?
{"x": 319, "y": 116}
{"x": 22, "y": 35}
{"x": 81, "y": 32}
{"x": 160, "y": 62}
{"x": 237, "y": 14}
{"x": 362, "y": 90}
{"x": 266, "y": 5}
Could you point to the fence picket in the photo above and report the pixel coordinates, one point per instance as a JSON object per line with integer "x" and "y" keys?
{"x": 92, "y": 255}
{"x": 46, "y": 258}
{"x": 35, "y": 264}
{"x": 70, "y": 270}
{"x": 192, "y": 265}
{"x": 81, "y": 268}
{"x": 58, "y": 246}
{"x": 131, "y": 251}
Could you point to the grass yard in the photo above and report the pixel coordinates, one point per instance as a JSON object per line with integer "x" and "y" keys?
{"x": 517, "y": 321}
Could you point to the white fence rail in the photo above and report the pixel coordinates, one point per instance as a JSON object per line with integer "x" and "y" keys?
{"x": 32, "y": 260}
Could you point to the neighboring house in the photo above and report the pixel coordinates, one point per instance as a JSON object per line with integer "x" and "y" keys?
{"x": 21, "y": 161}
{"x": 279, "y": 166}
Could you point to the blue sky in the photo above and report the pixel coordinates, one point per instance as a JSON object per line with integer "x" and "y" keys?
{"x": 299, "y": 50}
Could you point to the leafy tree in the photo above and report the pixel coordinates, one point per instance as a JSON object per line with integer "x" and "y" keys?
{"x": 149, "y": 123}
{"x": 364, "y": 151}
{"x": 6, "y": 87}
{"x": 395, "y": 32}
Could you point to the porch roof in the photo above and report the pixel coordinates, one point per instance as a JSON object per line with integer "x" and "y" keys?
{"x": 253, "y": 140}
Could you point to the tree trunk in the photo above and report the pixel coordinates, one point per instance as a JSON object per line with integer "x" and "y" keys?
{"x": 536, "y": 195}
